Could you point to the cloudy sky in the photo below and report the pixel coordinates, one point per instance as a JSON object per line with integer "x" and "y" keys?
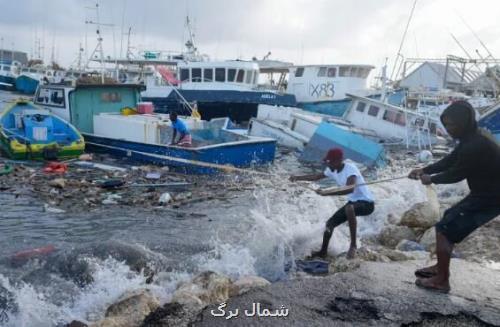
{"x": 300, "y": 31}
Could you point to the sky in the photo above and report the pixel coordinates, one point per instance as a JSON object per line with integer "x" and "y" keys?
{"x": 298, "y": 31}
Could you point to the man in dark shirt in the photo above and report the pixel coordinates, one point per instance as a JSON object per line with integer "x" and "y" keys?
{"x": 476, "y": 159}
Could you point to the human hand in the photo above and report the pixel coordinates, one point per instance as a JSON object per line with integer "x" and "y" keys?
{"x": 425, "y": 179}
{"x": 416, "y": 173}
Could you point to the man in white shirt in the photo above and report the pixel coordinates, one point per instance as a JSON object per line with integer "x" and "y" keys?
{"x": 360, "y": 200}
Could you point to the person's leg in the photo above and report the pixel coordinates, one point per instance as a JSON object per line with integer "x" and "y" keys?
{"x": 338, "y": 218}
{"x": 440, "y": 281}
{"x": 351, "y": 219}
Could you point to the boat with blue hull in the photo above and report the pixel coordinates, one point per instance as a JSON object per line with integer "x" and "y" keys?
{"x": 97, "y": 111}
{"x": 219, "y": 88}
{"x": 28, "y": 132}
{"x": 490, "y": 120}
{"x": 27, "y": 83}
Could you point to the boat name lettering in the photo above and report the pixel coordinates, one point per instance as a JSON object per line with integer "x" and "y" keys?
{"x": 268, "y": 96}
{"x": 322, "y": 90}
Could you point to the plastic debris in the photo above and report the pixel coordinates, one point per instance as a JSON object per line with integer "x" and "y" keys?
{"x": 165, "y": 198}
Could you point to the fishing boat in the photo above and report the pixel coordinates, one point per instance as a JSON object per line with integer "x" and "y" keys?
{"x": 490, "y": 120}
{"x": 8, "y": 73}
{"x": 388, "y": 121}
{"x": 101, "y": 113}
{"x": 28, "y": 132}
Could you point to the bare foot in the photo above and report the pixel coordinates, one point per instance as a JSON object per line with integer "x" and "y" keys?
{"x": 426, "y": 272}
{"x": 351, "y": 253}
{"x": 318, "y": 254}
{"x": 434, "y": 284}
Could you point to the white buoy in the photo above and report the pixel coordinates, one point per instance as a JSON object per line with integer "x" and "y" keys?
{"x": 424, "y": 156}
{"x": 165, "y": 198}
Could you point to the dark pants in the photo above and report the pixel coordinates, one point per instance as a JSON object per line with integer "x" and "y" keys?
{"x": 361, "y": 208}
{"x": 466, "y": 216}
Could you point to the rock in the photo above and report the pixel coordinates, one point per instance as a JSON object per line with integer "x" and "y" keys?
{"x": 342, "y": 264}
{"x": 206, "y": 288}
{"x": 391, "y": 235}
{"x": 424, "y": 214}
{"x": 483, "y": 244}
{"x": 130, "y": 311}
{"x": 428, "y": 240}
{"x": 76, "y": 323}
{"x": 58, "y": 183}
{"x": 85, "y": 157}
{"x": 375, "y": 294}
{"x": 393, "y": 219}
{"x": 246, "y": 283}
{"x": 165, "y": 198}
{"x": 171, "y": 314}
{"x": 111, "y": 199}
{"x": 406, "y": 245}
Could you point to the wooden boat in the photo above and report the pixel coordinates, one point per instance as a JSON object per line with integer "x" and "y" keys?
{"x": 28, "y": 132}
{"x": 97, "y": 112}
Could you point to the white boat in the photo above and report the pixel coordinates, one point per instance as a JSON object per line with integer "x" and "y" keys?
{"x": 389, "y": 121}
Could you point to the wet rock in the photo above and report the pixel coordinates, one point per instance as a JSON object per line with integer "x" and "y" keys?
{"x": 130, "y": 310}
{"x": 246, "y": 283}
{"x": 58, "y": 182}
{"x": 342, "y": 264}
{"x": 483, "y": 243}
{"x": 171, "y": 315}
{"x": 424, "y": 214}
{"x": 76, "y": 323}
{"x": 206, "y": 288}
{"x": 428, "y": 240}
{"x": 406, "y": 245}
{"x": 8, "y": 304}
{"x": 391, "y": 235}
{"x": 375, "y": 294}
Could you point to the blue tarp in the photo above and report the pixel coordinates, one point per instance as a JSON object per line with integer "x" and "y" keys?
{"x": 356, "y": 147}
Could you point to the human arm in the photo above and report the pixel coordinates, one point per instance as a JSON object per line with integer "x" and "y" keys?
{"x": 347, "y": 189}
{"x": 464, "y": 163}
{"x": 173, "y": 136}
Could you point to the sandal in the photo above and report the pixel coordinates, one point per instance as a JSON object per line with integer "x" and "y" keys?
{"x": 421, "y": 284}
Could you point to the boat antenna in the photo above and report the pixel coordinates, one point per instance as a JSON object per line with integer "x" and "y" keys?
{"x": 394, "y": 74}
{"x": 475, "y": 35}
{"x": 98, "y": 49}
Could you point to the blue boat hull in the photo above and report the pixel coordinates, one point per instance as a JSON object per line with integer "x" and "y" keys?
{"x": 26, "y": 84}
{"x": 491, "y": 122}
{"x": 237, "y": 105}
{"x": 237, "y": 154}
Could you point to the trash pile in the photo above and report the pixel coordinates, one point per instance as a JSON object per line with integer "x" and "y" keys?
{"x": 92, "y": 181}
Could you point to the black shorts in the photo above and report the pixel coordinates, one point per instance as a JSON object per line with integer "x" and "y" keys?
{"x": 465, "y": 216}
{"x": 361, "y": 208}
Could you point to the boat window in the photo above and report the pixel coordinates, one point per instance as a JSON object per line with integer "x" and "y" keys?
{"x": 389, "y": 115}
{"x": 344, "y": 71}
{"x": 231, "y": 73}
{"x": 196, "y": 74}
{"x": 6, "y": 68}
{"x": 208, "y": 75}
{"x": 248, "y": 79}
{"x": 360, "y": 72}
{"x": 184, "y": 74}
{"x": 24, "y": 70}
{"x": 373, "y": 111}
{"x": 366, "y": 72}
{"x": 111, "y": 97}
{"x": 49, "y": 74}
{"x": 395, "y": 117}
{"x": 220, "y": 74}
{"x": 240, "y": 76}
{"x": 361, "y": 106}
{"x": 322, "y": 72}
{"x": 255, "y": 76}
{"x": 299, "y": 72}
{"x": 332, "y": 72}
{"x": 50, "y": 97}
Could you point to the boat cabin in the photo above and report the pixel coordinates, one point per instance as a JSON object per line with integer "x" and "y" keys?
{"x": 314, "y": 83}
{"x": 392, "y": 122}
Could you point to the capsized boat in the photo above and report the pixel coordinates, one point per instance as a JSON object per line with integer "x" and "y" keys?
{"x": 490, "y": 120}
{"x": 28, "y": 132}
